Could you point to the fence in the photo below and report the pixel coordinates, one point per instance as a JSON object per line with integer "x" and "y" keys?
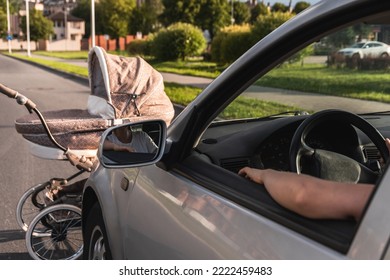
{"x": 70, "y": 45}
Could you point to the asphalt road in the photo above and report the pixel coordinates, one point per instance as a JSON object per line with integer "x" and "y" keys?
{"x": 18, "y": 168}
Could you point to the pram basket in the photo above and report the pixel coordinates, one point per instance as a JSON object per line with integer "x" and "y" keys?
{"x": 123, "y": 89}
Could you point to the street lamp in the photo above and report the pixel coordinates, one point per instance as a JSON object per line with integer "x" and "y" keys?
{"x": 66, "y": 23}
{"x": 232, "y": 13}
{"x": 28, "y": 28}
{"x": 8, "y": 29}
{"x": 93, "y": 22}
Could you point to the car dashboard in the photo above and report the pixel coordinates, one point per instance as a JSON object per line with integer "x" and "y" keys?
{"x": 265, "y": 143}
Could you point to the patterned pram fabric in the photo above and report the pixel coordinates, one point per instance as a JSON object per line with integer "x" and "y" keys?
{"x": 123, "y": 89}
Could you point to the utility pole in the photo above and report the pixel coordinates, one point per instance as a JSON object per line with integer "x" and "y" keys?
{"x": 93, "y": 22}
{"x": 28, "y": 29}
{"x": 232, "y": 13}
{"x": 8, "y": 29}
{"x": 66, "y": 23}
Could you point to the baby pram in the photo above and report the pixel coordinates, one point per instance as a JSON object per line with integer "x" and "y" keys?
{"x": 122, "y": 90}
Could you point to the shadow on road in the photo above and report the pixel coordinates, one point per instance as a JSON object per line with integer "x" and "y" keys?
{"x": 15, "y": 256}
{"x": 12, "y": 236}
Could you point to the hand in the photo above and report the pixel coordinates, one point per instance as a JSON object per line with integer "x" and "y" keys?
{"x": 121, "y": 148}
{"x": 256, "y": 175}
{"x": 387, "y": 141}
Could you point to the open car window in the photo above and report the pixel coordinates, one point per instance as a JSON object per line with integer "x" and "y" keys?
{"x": 257, "y": 128}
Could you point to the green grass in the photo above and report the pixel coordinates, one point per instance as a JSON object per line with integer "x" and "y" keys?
{"x": 182, "y": 95}
{"x": 191, "y": 68}
{"x": 367, "y": 85}
{"x": 64, "y": 54}
{"x": 68, "y": 68}
{"x": 244, "y": 107}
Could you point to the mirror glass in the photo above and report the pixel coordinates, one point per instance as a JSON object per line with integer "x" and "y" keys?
{"x": 132, "y": 144}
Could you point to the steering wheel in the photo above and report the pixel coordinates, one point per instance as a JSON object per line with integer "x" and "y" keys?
{"x": 330, "y": 165}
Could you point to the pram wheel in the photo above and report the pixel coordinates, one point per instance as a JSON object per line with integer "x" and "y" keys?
{"x": 30, "y": 204}
{"x": 55, "y": 234}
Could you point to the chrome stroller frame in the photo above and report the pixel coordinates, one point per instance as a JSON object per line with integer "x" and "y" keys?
{"x": 52, "y": 222}
{"x": 123, "y": 89}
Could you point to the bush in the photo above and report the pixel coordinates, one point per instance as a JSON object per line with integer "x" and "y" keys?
{"x": 139, "y": 47}
{"x": 265, "y": 24}
{"x": 178, "y": 41}
{"x": 230, "y": 43}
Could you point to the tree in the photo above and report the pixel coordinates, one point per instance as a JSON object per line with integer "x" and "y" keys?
{"x": 279, "y": 7}
{"x": 347, "y": 36}
{"x": 241, "y": 13}
{"x": 257, "y": 10}
{"x": 3, "y": 23}
{"x": 300, "y": 6}
{"x": 213, "y": 15}
{"x": 145, "y": 18}
{"x": 13, "y": 6}
{"x": 40, "y": 27}
{"x": 114, "y": 16}
{"x": 180, "y": 11}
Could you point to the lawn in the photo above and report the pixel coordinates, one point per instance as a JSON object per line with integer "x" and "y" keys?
{"x": 368, "y": 85}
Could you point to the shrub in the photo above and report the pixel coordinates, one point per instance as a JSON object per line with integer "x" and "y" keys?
{"x": 178, "y": 41}
{"x": 265, "y": 24}
{"x": 139, "y": 47}
{"x": 230, "y": 43}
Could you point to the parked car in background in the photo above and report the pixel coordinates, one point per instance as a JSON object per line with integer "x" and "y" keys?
{"x": 186, "y": 200}
{"x": 372, "y": 49}
{"x": 364, "y": 54}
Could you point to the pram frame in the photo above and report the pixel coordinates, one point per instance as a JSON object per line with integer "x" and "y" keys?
{"x": 132, "y": 87}
{"x": 46, "y": 207}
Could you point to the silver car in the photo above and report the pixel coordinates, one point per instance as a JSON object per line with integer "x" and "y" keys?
{"x": 186, "y": 200}
{"x": 370, "y": 49}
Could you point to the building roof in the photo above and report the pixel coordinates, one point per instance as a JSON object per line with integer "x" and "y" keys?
{"x": 61, "y": 16}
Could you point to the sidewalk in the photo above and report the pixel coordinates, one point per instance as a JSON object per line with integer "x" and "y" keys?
{"x": 308, "y": 101}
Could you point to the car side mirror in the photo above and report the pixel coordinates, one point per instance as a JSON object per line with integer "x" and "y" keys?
{"x": 133, "y": 145}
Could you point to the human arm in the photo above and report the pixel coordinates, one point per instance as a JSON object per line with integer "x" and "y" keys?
{"x": 108, "y": 145}
{"x": 310, "y": 196}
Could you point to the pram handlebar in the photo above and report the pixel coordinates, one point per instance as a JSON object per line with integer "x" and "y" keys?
{"x": 31, "y": 107}
{"x": 7, "y": 91}
{"x": 20, "y": 98}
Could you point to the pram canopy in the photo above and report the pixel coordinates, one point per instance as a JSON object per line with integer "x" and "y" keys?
{"x": 123, "y": 89}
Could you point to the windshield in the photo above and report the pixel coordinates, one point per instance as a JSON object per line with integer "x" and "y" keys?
{"x": 319, "y": 77}
{"x": 357, "y": 46}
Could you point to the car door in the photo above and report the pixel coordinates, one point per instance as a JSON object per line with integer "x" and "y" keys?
{"x": 170, "y": 216}
{"x": 373, "y": 50}
{"x": 372, "y": 238}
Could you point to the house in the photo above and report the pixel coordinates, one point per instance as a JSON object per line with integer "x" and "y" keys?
{"x": 67, "y": 27}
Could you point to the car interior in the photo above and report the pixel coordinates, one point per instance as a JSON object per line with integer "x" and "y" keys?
{"x": 273, "y": 141}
